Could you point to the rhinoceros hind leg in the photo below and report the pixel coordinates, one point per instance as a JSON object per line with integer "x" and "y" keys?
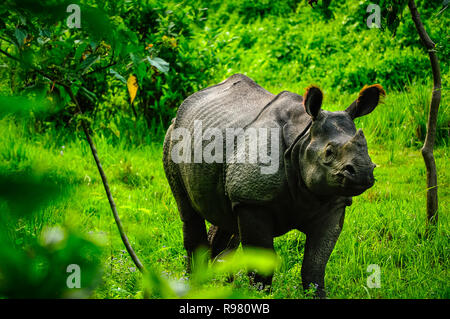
{"x": 194, "y": 229}
{"x": 194, "y": 234}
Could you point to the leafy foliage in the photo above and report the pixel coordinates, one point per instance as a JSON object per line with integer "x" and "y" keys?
{"x": 174, "y": 49}
{"x": 111, "y": 42}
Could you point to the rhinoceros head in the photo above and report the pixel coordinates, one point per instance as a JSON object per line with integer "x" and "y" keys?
{"x": 335, "y": 159}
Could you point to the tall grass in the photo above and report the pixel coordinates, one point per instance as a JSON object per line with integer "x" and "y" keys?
{"x": 384, "y": 226}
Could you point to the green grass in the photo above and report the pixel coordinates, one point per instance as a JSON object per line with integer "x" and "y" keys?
{"x": 281, "y": 48}
{"x": 384, "y": 226}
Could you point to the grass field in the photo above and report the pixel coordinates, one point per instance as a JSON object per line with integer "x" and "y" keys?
{"x": 172, "y": 49}
{"x": 384, "y": 226}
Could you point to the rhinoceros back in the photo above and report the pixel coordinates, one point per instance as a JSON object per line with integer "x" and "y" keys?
{"x": 233, "y": 103}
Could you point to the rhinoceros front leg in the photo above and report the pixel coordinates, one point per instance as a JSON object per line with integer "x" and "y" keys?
{"x": 221, "y": 241}
{"x": 320, "y": 241}
{"x": 255, "y": 230}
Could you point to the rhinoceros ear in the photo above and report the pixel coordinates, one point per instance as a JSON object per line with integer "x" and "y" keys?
{"x": 312, "y": 100}
{"x": 367, "y": 101}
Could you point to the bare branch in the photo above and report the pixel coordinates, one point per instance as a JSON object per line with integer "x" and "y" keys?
{"x": 427, "y": 149}
{"x": 112, "y": 204}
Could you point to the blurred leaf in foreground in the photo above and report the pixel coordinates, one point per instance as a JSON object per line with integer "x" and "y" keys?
{"x": 41, "y": 269}
{"x": 262, "y": 260}
{"x": 38, "y": 266}
{"x": 25, "y": 192}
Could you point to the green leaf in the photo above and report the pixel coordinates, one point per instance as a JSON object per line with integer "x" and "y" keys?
{"x": 135, "y": 59}
{"x": 88, "y": 94}
{"x": 88, "y": 62}
{"x": 40, "y": 268}
{"x": 113, "y": 127}
{"x": 21, "y": 35}
{"x": 159, "y": 63}
{"x": 45, "y": 33}
{"x": 157, "y": 284}
{"x": 118, "y": 76}
{"x": 79, "y": 52}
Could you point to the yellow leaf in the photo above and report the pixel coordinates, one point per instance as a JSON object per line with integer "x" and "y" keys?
{"x": 132, "y": 87}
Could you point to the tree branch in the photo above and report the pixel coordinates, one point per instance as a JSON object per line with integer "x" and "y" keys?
{"x": 10, "y": 56}
{"x": 427, "y": 149}
{"x": 124, "y": 237}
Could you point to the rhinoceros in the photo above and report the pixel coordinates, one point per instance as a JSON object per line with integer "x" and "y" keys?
{"x": 311, "y": 165}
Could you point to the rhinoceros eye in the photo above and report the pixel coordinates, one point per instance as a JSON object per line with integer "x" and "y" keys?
{"x": 329, "y": 151}
{"x": 329, "y": 154}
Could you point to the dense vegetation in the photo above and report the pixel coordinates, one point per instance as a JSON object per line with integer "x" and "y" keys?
{"x": 54, "y": 209}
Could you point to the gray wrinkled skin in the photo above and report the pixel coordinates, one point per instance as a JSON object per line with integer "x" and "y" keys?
{"x": 323, "y": 163}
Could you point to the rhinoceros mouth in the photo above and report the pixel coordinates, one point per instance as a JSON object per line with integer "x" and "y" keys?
{"x": 362, "y": 186}
{"x": 350, "y": 184}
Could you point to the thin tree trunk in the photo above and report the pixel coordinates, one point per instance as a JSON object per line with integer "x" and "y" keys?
{"x": 124, "y": 237}
{"x": 427, "y": 149}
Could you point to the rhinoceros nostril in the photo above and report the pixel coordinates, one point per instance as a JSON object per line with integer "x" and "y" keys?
{"x": 349, "y": 169}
